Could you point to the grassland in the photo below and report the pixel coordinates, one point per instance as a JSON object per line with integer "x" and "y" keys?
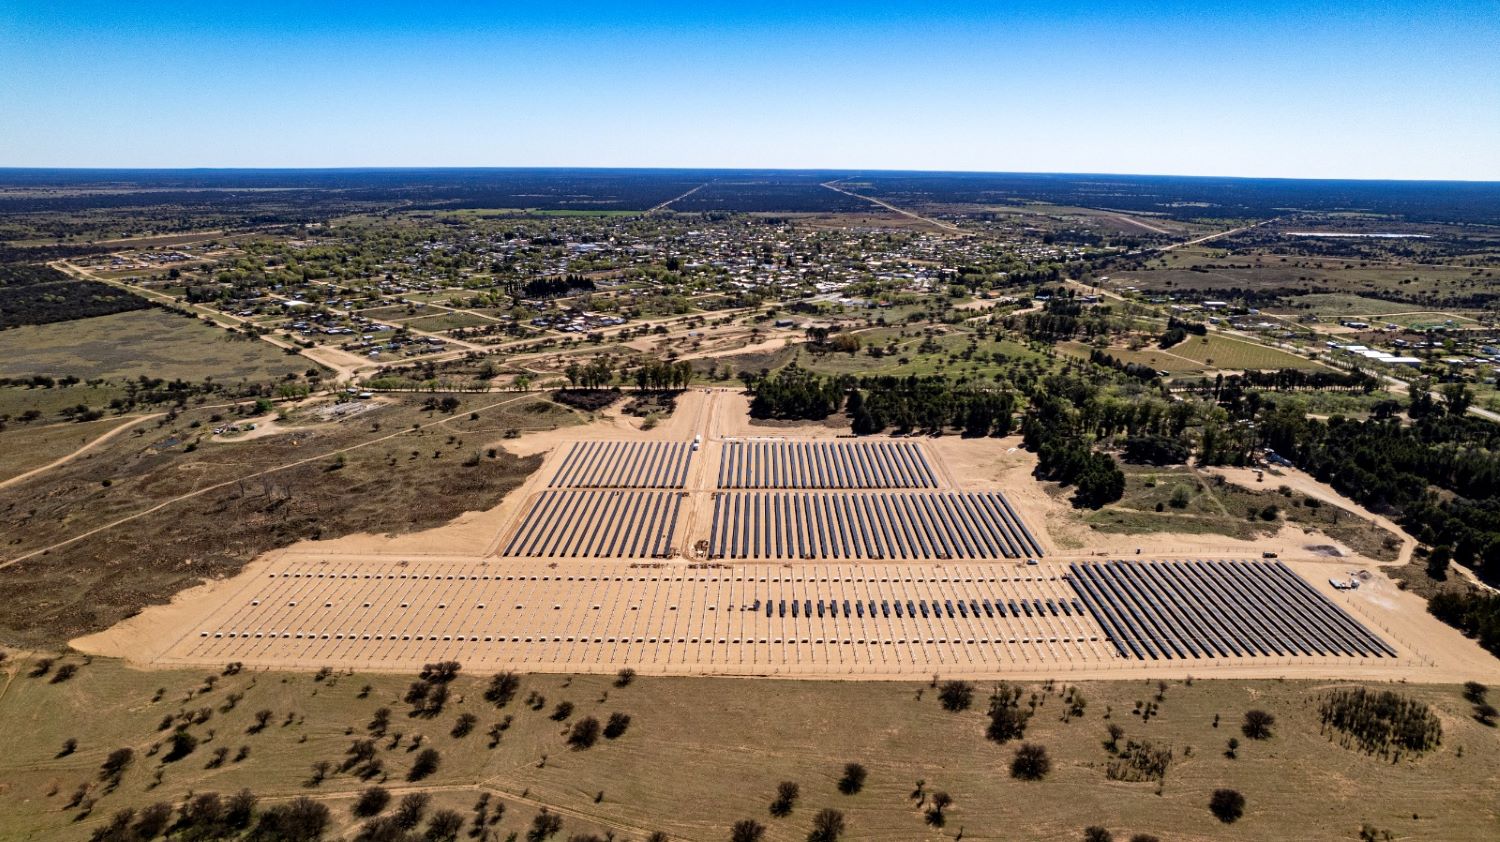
{"x": 202, "y": 509}
{"x": 1179, "y": 499}
{"x": 1203, "y": 354}
{"x": 151, "y": 342}
{"x": 700, "y": 754}
{"x": 23, "y": 448}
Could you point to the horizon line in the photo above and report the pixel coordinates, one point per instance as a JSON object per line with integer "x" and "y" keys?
{"x": 730, "y": 169}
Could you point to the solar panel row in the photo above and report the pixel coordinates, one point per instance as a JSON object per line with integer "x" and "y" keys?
{"x": 822, "y": 464}
{"x": 624, "y": 464}
{"x": 1196, "y": 609}
{"x": 932, "y": 525}
{"x": 598, "y": 524}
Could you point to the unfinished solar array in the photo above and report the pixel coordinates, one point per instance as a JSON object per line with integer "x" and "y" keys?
{"x": 624, "y": 464}
{"x": 598, "y": 524}
{"x": 822, "y": 464}
{"x": 1198, "y": 609}
{"x": 933, "y": 525}
{"x": 873, "y": 618}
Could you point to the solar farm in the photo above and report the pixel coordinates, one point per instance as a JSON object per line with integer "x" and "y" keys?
{"x": 780, "y": 556}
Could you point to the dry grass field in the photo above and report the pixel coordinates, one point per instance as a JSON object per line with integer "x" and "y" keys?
{"x": 179, "y": 506}
{"x": 154, "y": 343}
{"x": 700, "y": 754}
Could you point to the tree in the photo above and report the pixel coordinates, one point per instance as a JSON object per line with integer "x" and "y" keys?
{"x": 545, "y": 825}
{"x": 301, "y": 820}
{"x": 1030, "y": 762}
{"x": 828, "y": 826}
{"x": 786, "y": 798}
{"x": 624, "y": 677}
{"x": 463, "y": 725}
{"x": 115, "y": 764}
{"x": 956, "y": 695}
{"x": 1095, "y": 833}
{"x": 411, "y": 809}
{"x": 747, "y": 830}
{"x": 1007, "y": 722}
{"x": 584, "y": 734}
{"x": 1437, "y": 562}
{"x": 615, "y": 727}
{"x": 853, "y": 780}
{"x": 426, "y": 763}
{"x": 1257, "y": 724}
{"x": 1227, "y": 805}
{"x": 371, "y": 802}
{"x": 502, "y": 689}
{"x": 443, "y": 826}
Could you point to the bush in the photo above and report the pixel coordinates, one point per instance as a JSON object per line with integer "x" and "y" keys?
{"x": 615, "y": 728}
{"x": 1227, "y": 805}
{"x": 853, "y": 780}
{"x": 1095, "y": 833}
{"x": 747, "y": 830}
{"x": 786, "y": 798}
{"x": 584, "y": 734}
{"x": 371, "y": 802}
{"x": 1030, "y": 763}
{"x": 426, "y": 763}
{"x": 956, "y": 695}
{"x": 502, "y": 689}
{"x": 1257, "y": 724}
{"x": 828, "y": 826}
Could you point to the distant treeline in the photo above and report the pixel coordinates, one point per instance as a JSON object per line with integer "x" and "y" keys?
{"x": 554, "y": 287}
{"x": 930, "y": 404}
{"x": 35, "y": 295}
{"x": 1440, "y": 474}
{"x": 1178, "y": 330}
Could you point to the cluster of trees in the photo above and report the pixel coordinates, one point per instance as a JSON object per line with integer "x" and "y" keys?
{"x": 595, "y": 374}
{"x": 208, "y": 816}
{"x": 1380, "y": 722}
{"x": 1177, "y": 331}
{"x": 1441, "y": 474}
{"x": 1475, "y": 614}
{"x": 1061, "y": 319}
{"x": 929, "y": 404}
{"x": 1140, "y": 372}
{"x": 37, "y": 295}
{"x": 1065, "y": 456}
{"x": 662, "y": 374}
{"x": 796, "y": 393}
{"x": 554, "y": 287}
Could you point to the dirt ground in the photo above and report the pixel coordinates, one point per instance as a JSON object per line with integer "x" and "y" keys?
{"x": 392, "y": 625}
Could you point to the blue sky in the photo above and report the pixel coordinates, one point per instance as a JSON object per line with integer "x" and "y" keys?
{"x": 1351, "y": 89}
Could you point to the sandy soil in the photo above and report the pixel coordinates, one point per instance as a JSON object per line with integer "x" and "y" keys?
{"x": 392, "y": 602}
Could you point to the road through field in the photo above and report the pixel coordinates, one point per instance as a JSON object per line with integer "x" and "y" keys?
{"x": 191, "y": 494}
{"x": 63, "y": 460}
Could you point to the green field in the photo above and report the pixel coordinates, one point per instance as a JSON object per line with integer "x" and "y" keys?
{"x": 700, "y": 754}
{"x": 151, "y": 342}
{"x": 1203, "y": 354}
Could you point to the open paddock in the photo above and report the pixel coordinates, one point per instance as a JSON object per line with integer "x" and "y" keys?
{"x": 597, "y": 524}
{"x": 846, "y": 525}
{"x": 821, "y": 464}
{"x": 624, "y": 464}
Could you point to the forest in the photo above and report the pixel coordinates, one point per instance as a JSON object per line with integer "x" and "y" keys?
{"x": 38, "y": 295}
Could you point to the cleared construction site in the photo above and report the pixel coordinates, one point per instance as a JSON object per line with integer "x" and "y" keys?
{"x": 772, "y": 555}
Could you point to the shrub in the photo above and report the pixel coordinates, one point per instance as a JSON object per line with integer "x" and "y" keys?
{"x": 1030, "y": 763}
{"x": 853, "y": 780}
{"x": 1227, "y": 805}
{"x": 786, "y": 799}
{"x": 426, "y": 763}
{"x": 502, "y": 689}
{"x": 1095, "y": 833}
{"x": 371, "y": 802}
{"x": 615, "y": 728}
{"x": 828, "y": 826}
{"x": 1257, "y": 724}
{"x": 584, "y": 734}
{"x": 747, "y": 830}
{"x": 956, "y": 695}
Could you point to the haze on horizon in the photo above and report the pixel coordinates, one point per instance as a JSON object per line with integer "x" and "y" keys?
{"x": 1330, "y": 90}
